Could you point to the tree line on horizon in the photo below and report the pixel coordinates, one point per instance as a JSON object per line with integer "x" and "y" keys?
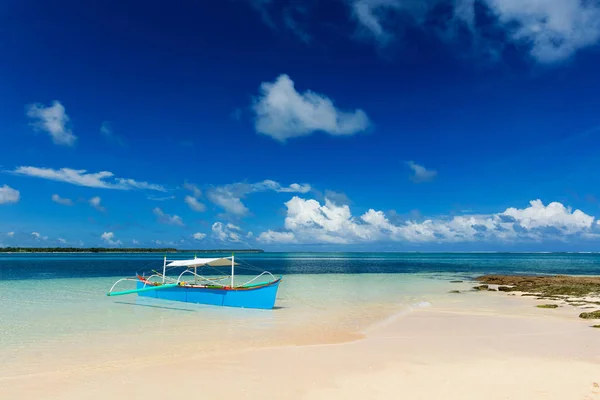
{"x": 117, "y": 250}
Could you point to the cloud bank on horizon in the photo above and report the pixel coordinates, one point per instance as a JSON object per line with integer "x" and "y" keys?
{"x": 310, "y": 222}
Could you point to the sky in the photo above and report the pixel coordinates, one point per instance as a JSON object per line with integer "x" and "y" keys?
{"x": 329, "y": 125}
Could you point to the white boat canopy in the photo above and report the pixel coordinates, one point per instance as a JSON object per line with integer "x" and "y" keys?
{"x": 196, "y": 262}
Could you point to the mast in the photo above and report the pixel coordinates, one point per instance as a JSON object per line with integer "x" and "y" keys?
{"x": 232, "y": 268}
{"x": 164, "y": 268}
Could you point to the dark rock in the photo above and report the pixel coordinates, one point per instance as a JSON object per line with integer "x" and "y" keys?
{"x": 456, "y": 281}
{"x": 547, "y": 306}
{"x": 504, "y": 288}
{"x": 557, "y": 285}
{"x": 454, "y": 291}
{"x": 590, "y": 315}
{"x": 481, "y": 287}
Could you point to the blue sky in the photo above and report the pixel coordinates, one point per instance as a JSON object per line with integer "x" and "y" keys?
{"x": 286, "y": 125}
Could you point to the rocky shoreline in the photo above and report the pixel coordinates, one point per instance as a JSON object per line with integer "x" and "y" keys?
{"x": 582, "y": 292}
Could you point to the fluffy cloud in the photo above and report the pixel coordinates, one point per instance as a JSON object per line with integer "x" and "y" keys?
{"x": 194, "y": 204}
{"x": 109, "y": 238}
{"x": 551, "y": 30}
{"x": 166, "y": 218}
{"x": 52, "y": 120}
{"x": 420, "y": 173}
{"x": 308, "y": 221}
{"x": 226, "y": 232}
{"x": 199, "y": 235}
{"x": 229, "y": 197}
{"x": 283, "y": 113}
{"x": 60, "y": 200}
{"x": 9, "y": 195}
{"x": 95, "y": 203}
{"x": 38, "y": 236}
{"x": 102, "y": 179}
{"x": 277, "y": 237}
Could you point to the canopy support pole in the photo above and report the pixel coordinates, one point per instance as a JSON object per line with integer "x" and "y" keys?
{"x": 164, "y": 269}
{"x": 232, "y": 268}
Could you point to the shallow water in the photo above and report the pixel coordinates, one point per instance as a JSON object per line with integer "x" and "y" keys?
{"x": 55, "y": 312}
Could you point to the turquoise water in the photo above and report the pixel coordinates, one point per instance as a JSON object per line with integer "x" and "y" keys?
{"x": 55, "y": 310}
{"x": 52, "y": 266}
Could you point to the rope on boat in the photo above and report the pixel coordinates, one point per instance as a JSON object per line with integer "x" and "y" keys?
{"x": 212, "y": 281}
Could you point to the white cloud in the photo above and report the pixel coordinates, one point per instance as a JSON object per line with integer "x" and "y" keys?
{"x": 199, "y": 235}
{"x": 60, "y": 200}
{"x": 10, "y": 234}
{"x": 277, "y": 237}
{"x": 369, "y": 15}
{"x": 228, "y": 200}
{"x": 308, "y": 221}
{"x": 283, "y": 113}
{"x": 9, "y": 195}
{"x": 165, "y": 198}
{"x": 421, "y": 174}
{"x": 135, "y": 241}
{"x": 229, "y": 197}
{"x": 166, "y": 218}
{"x": 196, "y": 192}
{"x": 194, "y": 204}
{"x": 95, "y": 203}
{"x": 109, "y": 238}
{"x": 552, "y": 31}
{"x": 62, "y": 241}
{"x": 53, "y": 120}
{"x": 226, "y": 232}
{"x": 102, "y": 179}
{"x": 38, "y": 236}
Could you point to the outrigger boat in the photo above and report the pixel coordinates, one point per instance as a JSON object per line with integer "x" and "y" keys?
{"x": 218, "y": 291}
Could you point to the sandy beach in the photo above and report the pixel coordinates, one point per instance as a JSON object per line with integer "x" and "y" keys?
{"x": 462, "y": 346}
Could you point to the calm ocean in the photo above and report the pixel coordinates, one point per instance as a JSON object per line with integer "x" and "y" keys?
{"x": 55, "y": 266}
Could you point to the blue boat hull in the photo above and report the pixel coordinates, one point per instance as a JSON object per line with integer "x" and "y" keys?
{"x": 261, "y": 297}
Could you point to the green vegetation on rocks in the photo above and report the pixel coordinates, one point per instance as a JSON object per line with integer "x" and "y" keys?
{"x": 546, "y": 286}
{"x": 590, "y": 315}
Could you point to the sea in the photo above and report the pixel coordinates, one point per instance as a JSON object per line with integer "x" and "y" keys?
{"x": 54, "y": 312}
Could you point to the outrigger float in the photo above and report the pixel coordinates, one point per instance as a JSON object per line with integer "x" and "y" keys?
{"x": 203, "y": 289}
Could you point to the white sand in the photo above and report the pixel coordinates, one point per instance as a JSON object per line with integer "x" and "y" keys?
{"x": 473, "y": 346}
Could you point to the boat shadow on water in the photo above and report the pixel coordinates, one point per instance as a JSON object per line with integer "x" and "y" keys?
{"x": 178, "y": 308}
{"x": 154, "y": 306}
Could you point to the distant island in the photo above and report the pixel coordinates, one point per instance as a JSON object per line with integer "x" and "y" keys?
{"x": 118, "y": 250}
